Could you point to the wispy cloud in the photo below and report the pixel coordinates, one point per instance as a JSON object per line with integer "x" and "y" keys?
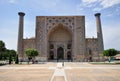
{"x": 98, "y": 5}
{"x": 108, "y": 3}
{"x": 89, "y": 2}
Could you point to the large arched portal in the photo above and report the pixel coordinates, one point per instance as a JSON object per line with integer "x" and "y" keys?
{"x": 60, "y": 42}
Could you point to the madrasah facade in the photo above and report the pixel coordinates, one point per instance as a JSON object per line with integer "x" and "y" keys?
{"x": 61, "y": 38}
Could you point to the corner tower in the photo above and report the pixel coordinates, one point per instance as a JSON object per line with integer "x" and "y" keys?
{"x": 20, "y": 35}
{"x": 99, "y": 33}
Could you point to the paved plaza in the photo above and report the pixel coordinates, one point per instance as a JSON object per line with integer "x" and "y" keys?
{"x": 53, "y": 71}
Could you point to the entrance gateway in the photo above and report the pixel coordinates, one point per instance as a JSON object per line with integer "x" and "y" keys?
{"x": 61, "y": 37}
{"x": 60, "y": 53}
{"x": 60, "y": 43}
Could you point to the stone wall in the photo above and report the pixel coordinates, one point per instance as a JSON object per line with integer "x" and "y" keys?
{"x": 41, "y": 41}
{"x": 79, "y": 38}
{"x": 28, "y": 43}
{"x": 92, "y": 49}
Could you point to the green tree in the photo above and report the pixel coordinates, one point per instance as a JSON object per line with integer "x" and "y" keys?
{"x": 6, "y": 54}
{"x": 2, "y": 50}
{"x": 10, "y": 59}
{"x": 13, "y": 54}
{"x": 16, "y": 59}
{"x": 109, "y": 53}
{"x": 2, "y": 46}
{"x": 31, "y": 54}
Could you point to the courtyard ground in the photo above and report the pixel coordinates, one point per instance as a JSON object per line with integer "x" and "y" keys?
{"x": 53, "y": 71}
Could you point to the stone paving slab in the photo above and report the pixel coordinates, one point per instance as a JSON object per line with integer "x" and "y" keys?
{"x": 85, "y": 65}
{"x": 92, "y": 74}
{"x": 72, "y": 71}
{"x": 59, "y": 78}
{"x": 45, "y": 64}
{"x": 59, "y": 73}
{"x": 26, "y": 75}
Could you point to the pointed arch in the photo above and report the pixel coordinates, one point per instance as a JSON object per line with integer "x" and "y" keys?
{"x": 59, "y": 25}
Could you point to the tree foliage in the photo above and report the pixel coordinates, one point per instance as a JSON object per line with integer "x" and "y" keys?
{"x": 16, "y": 59}
{"x": 12, "y": 53}
{"x": 3, "y": 52}
{"x": 2, "y": 46}
{"x": 6, "y": 54}
{"x": 10, "y": 58}
{"x": 109, "y": 53}
{"x": 31, "y": 53}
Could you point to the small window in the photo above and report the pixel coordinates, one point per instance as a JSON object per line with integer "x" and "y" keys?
{"x": 51, "y": 46}
{"x": 69, "y": 46}
{"x": 50, "y": 21}
{"x": 69, "y": 20}
{"x": 90, "y": 52}
{"x": 69, "y": 55}
{"x": 63, "y": 20}
{"x": 51, "y": 55}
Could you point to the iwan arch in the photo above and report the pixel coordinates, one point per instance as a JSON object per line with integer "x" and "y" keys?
{"x": 61, "y": 38}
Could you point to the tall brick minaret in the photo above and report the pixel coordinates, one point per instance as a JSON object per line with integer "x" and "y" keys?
{"x": 20, "y": 35}
{"x": 99, "y": 33}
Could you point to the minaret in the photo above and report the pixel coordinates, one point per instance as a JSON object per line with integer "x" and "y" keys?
{"x": 99, "y": 33}
{"x": 20, "y": 35}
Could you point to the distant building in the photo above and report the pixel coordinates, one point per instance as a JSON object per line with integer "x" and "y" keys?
{"x": 117, "y": 56}
{"x": 61, "y": 38}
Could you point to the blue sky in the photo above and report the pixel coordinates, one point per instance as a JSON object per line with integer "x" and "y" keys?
{"x": 109, "y": 9}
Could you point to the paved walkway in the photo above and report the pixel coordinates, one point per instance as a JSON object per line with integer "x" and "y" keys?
{"x": 72, "y": 71}
{"x": 59, "y": 71}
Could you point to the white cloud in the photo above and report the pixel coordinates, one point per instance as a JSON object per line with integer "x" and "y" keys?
{"x": 99, "y": 5}
{"x": 89, "y": 1}
{"x": 108, "y": 3}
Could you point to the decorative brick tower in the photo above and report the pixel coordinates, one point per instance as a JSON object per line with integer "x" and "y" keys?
{"x": 20, "y": 35}
{"x": 99, "y": 33}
